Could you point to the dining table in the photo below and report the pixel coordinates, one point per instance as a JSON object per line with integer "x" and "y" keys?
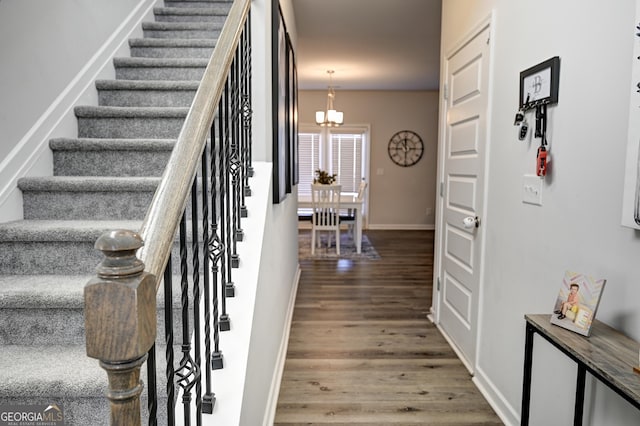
{"x": 349, "y": 202}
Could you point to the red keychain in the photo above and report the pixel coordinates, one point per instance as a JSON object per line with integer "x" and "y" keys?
{"x": 541, "y": 163}
{"x": 542, "y": 159}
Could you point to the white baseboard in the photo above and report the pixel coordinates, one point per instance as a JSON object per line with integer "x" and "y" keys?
{"x": 31, "y": 155}
{"x": 496, "y": 400}
{"x": 455, "y": 348}
{"x": 489, "y": 391}
{"x": 274, "y": 392}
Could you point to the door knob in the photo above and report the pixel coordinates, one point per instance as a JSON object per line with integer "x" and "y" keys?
{"x": 471, "y": 222}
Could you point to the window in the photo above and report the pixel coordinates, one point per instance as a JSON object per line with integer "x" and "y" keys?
{"x": 339, "y": 151}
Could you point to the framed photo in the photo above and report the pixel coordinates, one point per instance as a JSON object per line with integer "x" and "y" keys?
{"x": 292, "y": 115}
{"x": 577, "y": 302}
{"x": 631, "y": 188}
{"x": 539, "y": 84}
{"x": 279, "y": 90}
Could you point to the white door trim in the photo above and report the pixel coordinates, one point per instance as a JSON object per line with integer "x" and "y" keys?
{"x": 488, "y": 22}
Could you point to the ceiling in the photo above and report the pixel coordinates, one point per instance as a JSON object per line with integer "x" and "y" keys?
{"x": 370, "y": 44}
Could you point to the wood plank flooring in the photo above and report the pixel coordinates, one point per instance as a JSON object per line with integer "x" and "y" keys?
{"x": 361, "y": 350}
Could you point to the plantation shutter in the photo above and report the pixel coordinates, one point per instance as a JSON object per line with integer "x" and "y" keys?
{"x": 346, "y": 159}
{"x": 309, "y": 160}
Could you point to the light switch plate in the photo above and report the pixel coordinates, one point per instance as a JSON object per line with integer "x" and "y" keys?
{"x": 532, "y": 189}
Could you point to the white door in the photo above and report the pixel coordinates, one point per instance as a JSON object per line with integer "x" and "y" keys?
{"x": 464, "y": 143}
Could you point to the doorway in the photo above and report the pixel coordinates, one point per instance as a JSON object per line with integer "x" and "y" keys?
{"x": 463, "y": 145}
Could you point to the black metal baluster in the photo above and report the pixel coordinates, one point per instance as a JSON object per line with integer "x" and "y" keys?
{"x": 229, "y": 289}
{"x": 195, "y": 255}
{"x": 216, "y": 249}
{"x": 234, "y": 163}
{"x": 248, "y": 111}
{"x": 187, "y": 370}
{"x": 242, "y": 152}
{"x": 226, "y": 192}
{"x": 152, "y": 392}
{"x": 168, "y": 335}
{"x": 209, "y": 398}
{"x": 246, "y": 119}
{"x": 246, "y": 130}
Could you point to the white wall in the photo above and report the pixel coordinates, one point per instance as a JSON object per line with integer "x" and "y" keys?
{"x": 400, "y": 197}
{"x": 51, "y": 54}
{"x": 277, "y": 277}
{"x": 44, "y": 45}
{"x": 528, "y": 248}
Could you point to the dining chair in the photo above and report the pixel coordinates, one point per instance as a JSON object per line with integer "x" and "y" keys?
{"x": 326, "y": 213}
{"x": 350, "y": 218}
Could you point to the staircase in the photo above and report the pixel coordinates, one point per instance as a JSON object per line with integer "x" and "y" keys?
{"x": 103, "y": 179}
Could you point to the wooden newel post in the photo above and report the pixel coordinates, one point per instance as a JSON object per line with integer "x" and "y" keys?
{"x": 120, "y": 321}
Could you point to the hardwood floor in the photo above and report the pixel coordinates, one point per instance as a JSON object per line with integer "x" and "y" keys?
{"x": 361, "y": 350}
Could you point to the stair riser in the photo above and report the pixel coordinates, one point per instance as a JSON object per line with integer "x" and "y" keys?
{"x": 159, "y": 73}
{"x": 108, "y": 127}
{"x": 146, "y": 98}
{"x": 94, "y": 205}
{"x": 109, "y": 163}
{"x": 89, "y": 410}
{"x": 60, "y": 257}
{"x": 121, "y": 205}
{"x": 39, "y": 327}
{"x": 183, "y": 34}
{"x": 77, "y": 411}
{"x": 171, "y": 52}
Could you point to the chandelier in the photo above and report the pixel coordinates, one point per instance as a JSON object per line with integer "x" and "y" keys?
{"x": 330, "y": 117}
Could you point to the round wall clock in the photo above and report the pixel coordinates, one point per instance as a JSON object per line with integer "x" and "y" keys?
{"x": 405, "y": 148}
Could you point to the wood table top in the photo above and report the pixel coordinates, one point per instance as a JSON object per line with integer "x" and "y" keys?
{"x": 606, "y": 351}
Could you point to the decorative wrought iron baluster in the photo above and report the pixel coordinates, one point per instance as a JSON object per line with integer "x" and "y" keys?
{"x": 152, "y": 392}
{"x": 234, "y": 162}
{"x": 226, "y": 284}
{"x": 195, "y": 253}
{"x": 208, "y": 400}
{"x": 248, "y": 112}
{"x": 168, "y": 337}
{"x": 226, "y": 193}
{"x": 216, "y": 248}
{"x": 187, "y": 373}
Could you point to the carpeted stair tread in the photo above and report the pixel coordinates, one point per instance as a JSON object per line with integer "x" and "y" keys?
{"x": 88, "y": 183}
{"x": 191, "y": 30}
{"x": 172, "y": 48}
{"x": 187, "y": 2}
{"x": 172, "y": 42}
{"x": 146, "y": 85}
{"x": 137, "y": 68}
{"x": 105, "y": 144}
{"x": 109, "y": 157}
{"x": 161, "y": 62}
{"x": 216, "y": 9}
{"x": 27, "y": 371}
{"x": 198, "y": 3}
{"x": 61, "y": 230}
{"x": 130, "y": 112}
{"x": 146, "y": 93}
{"x": 181, "y": 26}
